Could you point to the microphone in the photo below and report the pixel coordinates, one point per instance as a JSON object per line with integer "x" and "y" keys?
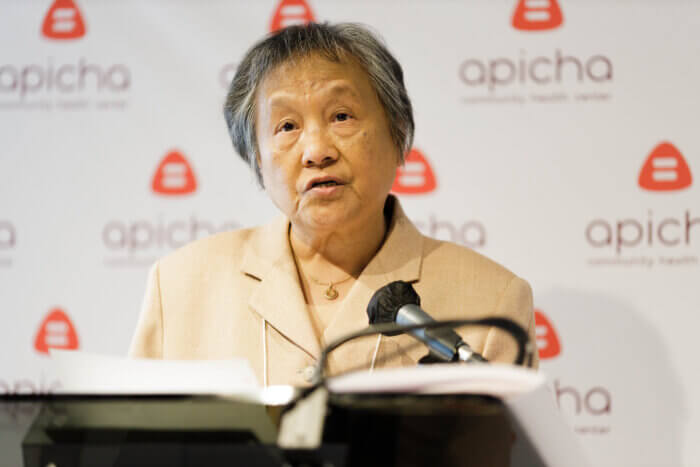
{"x": 399, "y": 303}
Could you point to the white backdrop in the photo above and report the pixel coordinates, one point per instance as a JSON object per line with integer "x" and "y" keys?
{"x": 558, "y": 138}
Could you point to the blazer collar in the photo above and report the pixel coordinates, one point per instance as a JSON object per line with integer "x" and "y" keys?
{"x": 279, "y": 298}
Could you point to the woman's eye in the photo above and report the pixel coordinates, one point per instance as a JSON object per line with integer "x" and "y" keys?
{"x": 287, "y": 126}
{"x": 342, "y": 116}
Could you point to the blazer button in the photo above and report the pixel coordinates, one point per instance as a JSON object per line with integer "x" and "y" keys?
{"x": 308, "y": 373}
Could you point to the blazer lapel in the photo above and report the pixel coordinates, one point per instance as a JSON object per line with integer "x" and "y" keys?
{"x": 399, "y": 258}
{"x": 279, "y": 298}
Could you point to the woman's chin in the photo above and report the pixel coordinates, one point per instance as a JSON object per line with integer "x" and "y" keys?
{"x": 326, "y": 218}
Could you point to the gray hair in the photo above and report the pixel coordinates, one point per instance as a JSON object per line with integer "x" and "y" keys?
{"x": 336, "y": 43}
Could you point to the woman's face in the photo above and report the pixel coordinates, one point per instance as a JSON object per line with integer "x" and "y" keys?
{"x": 326, "y": 155}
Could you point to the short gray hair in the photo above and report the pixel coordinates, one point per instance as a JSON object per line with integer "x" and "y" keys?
{"x": 335, "y": 42}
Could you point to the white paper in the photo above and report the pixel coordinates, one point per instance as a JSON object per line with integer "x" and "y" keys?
{"x": 84, "y": 373}
{"x": 503, "y": 381}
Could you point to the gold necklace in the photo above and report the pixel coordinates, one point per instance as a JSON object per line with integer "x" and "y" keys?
{"x": 330, "y": 293}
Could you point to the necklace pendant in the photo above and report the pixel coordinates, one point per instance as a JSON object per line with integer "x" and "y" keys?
{"x": 331, "y": 293}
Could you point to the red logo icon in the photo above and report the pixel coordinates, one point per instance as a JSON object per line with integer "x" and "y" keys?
{"x": 174, "y": 176}
{"x": 291, "y": 12}
{"x": 665, "y": 170}
{"x": 537, "y": 15}
{"x": 63, "y": 21}
{"x": 56, "y": 332}
{"x": 547, "y": 339}
{"x": 415, "y": 176}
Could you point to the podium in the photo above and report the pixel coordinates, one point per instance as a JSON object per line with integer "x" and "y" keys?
{"x": 451, "y": 415}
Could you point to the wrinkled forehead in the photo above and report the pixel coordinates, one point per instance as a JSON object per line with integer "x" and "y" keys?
{"x": 314, "y": 73}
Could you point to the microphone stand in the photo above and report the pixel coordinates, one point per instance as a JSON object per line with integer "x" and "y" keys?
{"x": 525, "y": 347}
{"x": 310, "y": 404}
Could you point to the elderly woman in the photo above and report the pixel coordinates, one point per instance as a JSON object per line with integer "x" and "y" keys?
{"x": 321, "y": 114}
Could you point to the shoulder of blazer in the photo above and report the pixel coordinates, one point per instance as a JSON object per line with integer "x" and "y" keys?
{"x": 206, "y": 255}
{"x": 449, "y": 257}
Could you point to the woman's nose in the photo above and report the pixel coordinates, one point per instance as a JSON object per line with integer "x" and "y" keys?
{"x": 319, "y": 150}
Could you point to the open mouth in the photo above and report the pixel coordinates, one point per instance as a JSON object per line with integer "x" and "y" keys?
{"x": 325, "y": 184}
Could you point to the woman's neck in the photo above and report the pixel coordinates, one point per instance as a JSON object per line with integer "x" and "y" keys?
{"x": 333, "y": 255}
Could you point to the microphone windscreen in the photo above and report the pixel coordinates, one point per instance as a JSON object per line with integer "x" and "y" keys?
{"x": 387, "y": 301}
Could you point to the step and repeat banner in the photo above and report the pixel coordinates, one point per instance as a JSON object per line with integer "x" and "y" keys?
{"x": 558, "y": 137}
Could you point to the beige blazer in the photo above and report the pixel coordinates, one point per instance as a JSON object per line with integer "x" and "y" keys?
{"x": 237, "y": 294}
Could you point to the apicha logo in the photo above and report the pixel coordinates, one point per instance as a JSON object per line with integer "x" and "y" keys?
{"x": 174, "y": 176}
{"x": 589, "y": 407}
{"x": 82, "y": 76}
{"x": 67, "y": 83}
{"x": 548, "y": 343}
{"x": 665, "y": 170}
{"x": 290, "y": 12}
{"x": 56, "y": 331}
{"x": 541, "y": 70}
{"x": 63, "y": 21}
{"x": 139, "y": 242}
{"x": 415, "y": 176}
{"x": 470, "y": 233}
{"x": 669, "y": 238}
{"x": 537, "y": 15}
{"x": 540, "y": 78}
